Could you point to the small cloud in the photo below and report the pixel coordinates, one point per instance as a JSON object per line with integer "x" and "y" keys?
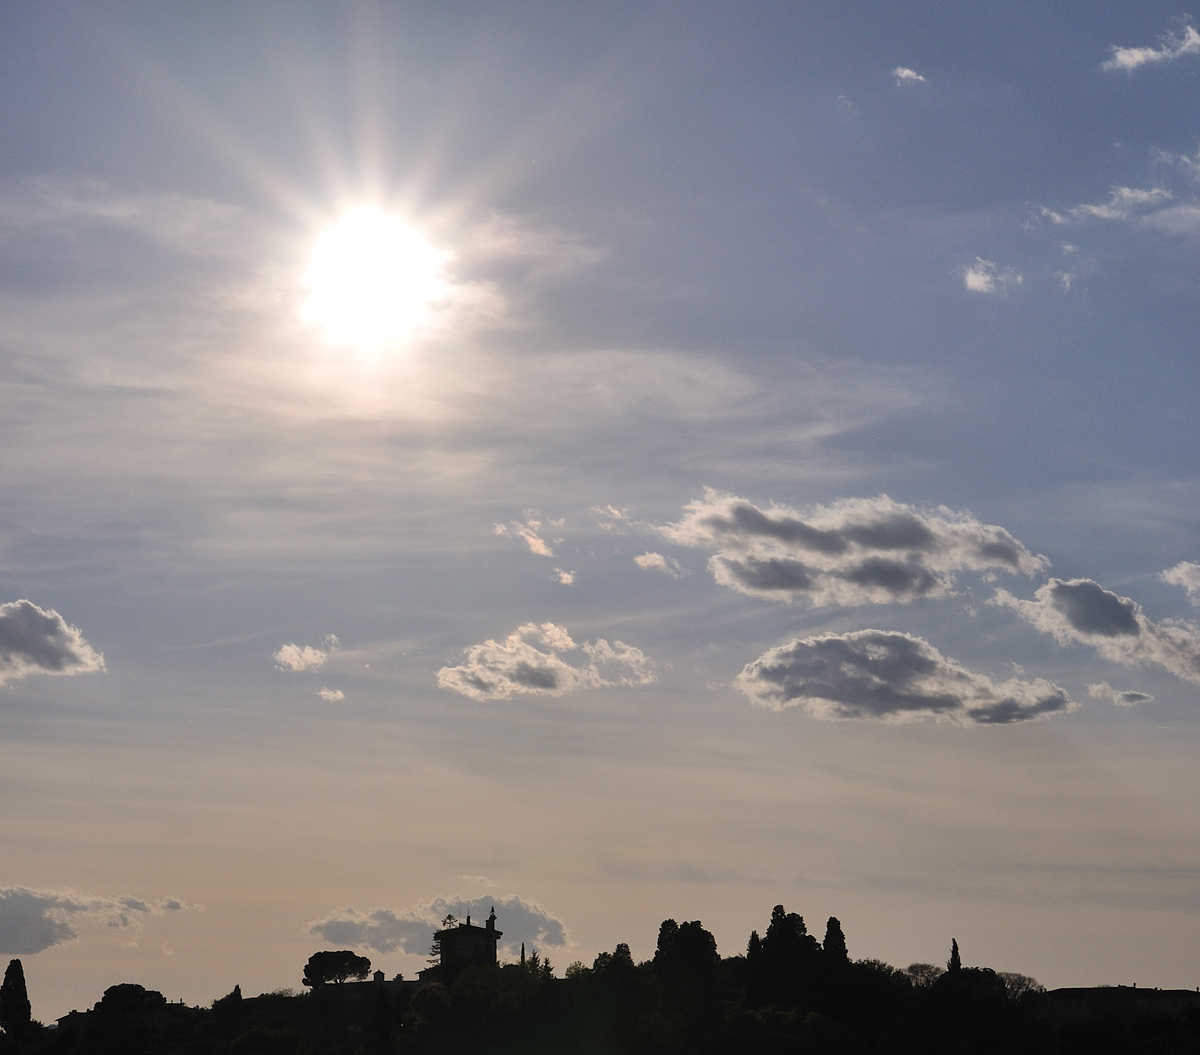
{"x": 37, "y": 640}
{"x": 1065, "y": 278}
{"x": 1126, "y": 698}
{"x": 846, "y": 108}
{"x": 1123, "y": 204}
{"x": 331, "y": 695}
{"x": 890, "y": 676}
{"x": 298, "y": 657}
{"x": 528, "y": 530}
{"x": 904, "y": 75}
{"x": 985, "y": 276}
{"x": 1068, "y": 248}
{"x": 481, "y": 880}
{"x": 565, "y": 578}
{"x": 1187, "y": 575}
{"x": 499, "y": 670}
{"x": 1173, "y": 47}
{"x": 1081, "y": 610}
{"x": 167, "y": 949}
{"x": 657, "y": 562}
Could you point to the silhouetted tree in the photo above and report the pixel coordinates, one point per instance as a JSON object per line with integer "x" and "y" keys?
{"x": 790, "y": 958}
{"x": 14, "y": 1001}
{"x": 834, "y": 945}
{"x": 435, "y": 947}
{"x": 335, "y": 967}
{"x": 954, "y": 964}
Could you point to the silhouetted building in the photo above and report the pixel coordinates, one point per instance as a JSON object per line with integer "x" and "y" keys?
{"x": 461, "y": 946}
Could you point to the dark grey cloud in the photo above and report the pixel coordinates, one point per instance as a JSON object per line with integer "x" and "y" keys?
{"x": 37, "y": 640}
{"x": 499, "y": 670}
{"x": 856, "y": 551}
{"x": 410, "y": 930}
{"x": 33, "y": 920}
{"x": 1121, "y": 697}
{"x": 1081, "y": 610}
{"x": 884, "y": 674}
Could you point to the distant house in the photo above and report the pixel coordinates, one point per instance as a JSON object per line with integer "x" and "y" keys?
{"x": 463, "y": 945}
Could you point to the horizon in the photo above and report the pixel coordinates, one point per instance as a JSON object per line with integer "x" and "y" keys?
{"x": 618, "y": 464}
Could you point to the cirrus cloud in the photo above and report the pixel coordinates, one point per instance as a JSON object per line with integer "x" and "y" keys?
{"x": 890, "y": 676}
{"x": 855, "y": 551}
{"x": 499, "y": 670}
{"x": 410, "y": 930}
{"x": 1081, "y": 610}
{"x": 37, "y": 640}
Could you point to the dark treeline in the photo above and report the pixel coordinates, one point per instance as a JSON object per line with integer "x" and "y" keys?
{"x": 789, "y": 993}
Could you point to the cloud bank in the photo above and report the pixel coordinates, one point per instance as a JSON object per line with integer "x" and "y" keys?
{"x": 856, "y": 551}
{"x": 37, "y": 640}
{"x": 410, "y": 930}
{"x": 500, "y": 670}
{"x": 882, "y": 674}
{"x": 297, "y": 657}
{"x": 1187, "y": 575}
{"x": 33, "y": 920}
{"x": 1083, "y": 611}
{"x": 1173, "y": 47}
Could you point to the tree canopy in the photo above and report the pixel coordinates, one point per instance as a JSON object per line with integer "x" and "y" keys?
{"x": 336, "y": 967}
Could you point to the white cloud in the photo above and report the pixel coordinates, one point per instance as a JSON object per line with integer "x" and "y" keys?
{"x": 1122, "y": 698}
{"x": 1081, "y": 610}
{"x": 904, "y": 75}
{"x": 565, "y": 578}
{"x": 33, "y": 920}
{"x": 1173, "y": 46}
{"x": 985, "y": 276}
{"x": 331, "y": 695}
{"x": 1187, "y": 575}
{"x": 297, "y": 657}
{"x": 855, "y": 551}
{"x": 500, "y": 670}
{"x": 37, "y": 640}
{"x": 481, "y": 880}
{"x": 1124, "y": 203}
{"x": 882, "y": 674}
{"x": 657, "y": 562}
{"x": 411, "y": 929}
{"x": 1065, "y": 278}
{"x": 528, "y": 531}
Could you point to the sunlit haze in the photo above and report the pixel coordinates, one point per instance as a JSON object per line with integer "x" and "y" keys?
{"x": 372, "y": 279}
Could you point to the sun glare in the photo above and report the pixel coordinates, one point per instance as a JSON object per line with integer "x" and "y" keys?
{"x": 372, "y": 279}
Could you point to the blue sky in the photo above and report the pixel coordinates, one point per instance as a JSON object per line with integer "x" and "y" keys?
{"x": 576, "y": 589}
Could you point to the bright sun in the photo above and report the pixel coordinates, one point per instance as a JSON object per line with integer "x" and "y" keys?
{"x": 372, "y": 279}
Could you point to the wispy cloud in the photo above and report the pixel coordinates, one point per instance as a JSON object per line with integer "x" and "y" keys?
{"x": 1187, "y": 575}
{"x": 499, "y": 670}
{"x": 33, "y": 920}
{"x": 904, "y": 75}
{"x": 305, "y": 657}
{"x": 528, "y": 530}
{"x": 882, "y": 674}
{"x": 37, "y": 640}
{"x": 411, "y": 929}
{"x": 1173, "y": 46}
{"x": 855, "y": 551}
{"x": 1121, "y": 697}
{"x": 986, "y": 276}
{"x": 1081, "y": 610}
{"x": 1124, "y": 203}
{"x": 331, "y": 695}
{"x": 657, "y": 562}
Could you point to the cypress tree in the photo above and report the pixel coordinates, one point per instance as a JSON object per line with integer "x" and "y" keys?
{"x": 14, "y": 1001}
{"x": 954, "y": 964}
{"x": 834, "y": 944}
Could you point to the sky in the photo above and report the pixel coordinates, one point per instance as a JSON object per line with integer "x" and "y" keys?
{"x": 607, "y": 462}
